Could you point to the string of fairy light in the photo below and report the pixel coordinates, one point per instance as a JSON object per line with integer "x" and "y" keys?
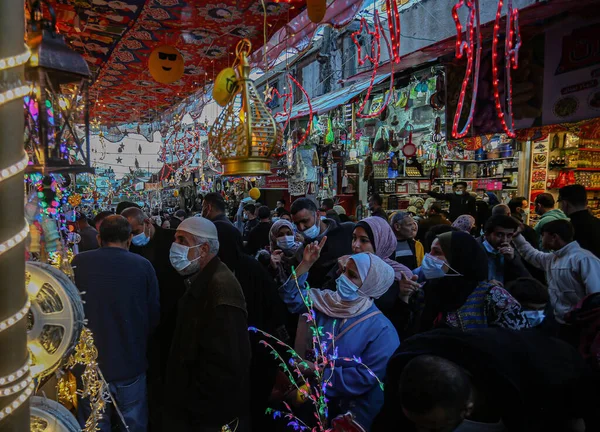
{"x": 19, "y": 382}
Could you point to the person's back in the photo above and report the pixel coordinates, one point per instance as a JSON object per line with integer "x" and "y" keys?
{"x": 122, "y": 309}
{"x": 258, "y": 238}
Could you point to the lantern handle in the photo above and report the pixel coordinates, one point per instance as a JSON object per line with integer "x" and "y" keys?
{"x": 244, "y": 47}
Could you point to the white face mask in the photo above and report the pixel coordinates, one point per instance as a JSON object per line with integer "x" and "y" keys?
{"x": 458, "y": 192}
{"x": 178, "y": 256}
{"x": 432, "y": 267}
{"x": 534, "y": 317}
{"x": 314, "y": 231}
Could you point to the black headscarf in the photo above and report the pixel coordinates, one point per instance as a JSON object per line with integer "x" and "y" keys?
{"x": 447, "y": 294}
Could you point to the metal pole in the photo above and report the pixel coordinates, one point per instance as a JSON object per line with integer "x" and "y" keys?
{"x": 13, "y": 340}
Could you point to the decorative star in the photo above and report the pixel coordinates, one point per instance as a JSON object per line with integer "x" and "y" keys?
{"x": 119, "y": 160}
{"x": 373, "y": 56}
{"x": 268, "y": 93}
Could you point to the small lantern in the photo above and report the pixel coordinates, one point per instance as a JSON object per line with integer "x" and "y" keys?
{"x": 57, "y": 112}
{"x": 245, "y": 134}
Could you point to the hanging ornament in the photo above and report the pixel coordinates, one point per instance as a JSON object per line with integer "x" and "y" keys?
{"x": 245, "y": 135}
{"x": 75, "y": 200}
{"x": 316, "y": 10}
{"x": 394, "y": 27}
{"x": 166, "y": 64}
{"x": 254, "y": 193}
{"x": 225, "y": 86}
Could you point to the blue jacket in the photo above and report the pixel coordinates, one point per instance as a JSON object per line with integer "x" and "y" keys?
{"x": 373, "y": 341}
{"x": 121, "y": 306}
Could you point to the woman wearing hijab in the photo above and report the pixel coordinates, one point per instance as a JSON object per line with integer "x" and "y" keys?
{"x": 283, "y": 245}
{"x": 360, "y": 329}
{"x": 457, "y": 294}
{"x": 464, "y": 223}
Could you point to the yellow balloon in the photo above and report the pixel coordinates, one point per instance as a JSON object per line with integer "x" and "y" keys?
{"x": 316, "y": 10}
{"x": 175, "y": 193}
{"x": 166, "y": 64}
{"x": 254, "y": 193}
{"x": 225, "y": 86}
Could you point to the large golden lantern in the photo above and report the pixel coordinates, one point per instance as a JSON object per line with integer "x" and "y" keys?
{"x": 245, "y": 135}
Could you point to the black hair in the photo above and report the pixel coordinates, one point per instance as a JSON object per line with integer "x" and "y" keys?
{"x": 124, "y": 205}
{"x": 264, "y": 212}
{"x": 528, "y": 290}
{"x": 435, "y": 207}
{"x": 516, "y": 203}
{"x": 428, "y": 382}
{"x": 180, "y": 214}
{"x": 501, "y": 210}
{"x": 327, "y": 204}
{"x": 377, "y": 198}
{"x": 281, "y": 211}
{"x": 459, "y": 183}
{"x": 251, "y": 208}
{"x": 433, "y": 232}
{"x": 445, "y": 213}
{"x": 501, "y": 221}
{"x": 546, "y": 200}
{"x": 574, "y": 194}
{"x": 561, "y": 227}
{"x": 332, "y": 214}
{"x": 101, "y": 216}
{"x": 216, "y": 200}
{"x": 281, "y": 200}
{"x": 115, "y": 229}
{"x": 303, "y": 204}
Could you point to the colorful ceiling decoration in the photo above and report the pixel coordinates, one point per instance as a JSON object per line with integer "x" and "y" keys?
{"x": 117, "y": 37}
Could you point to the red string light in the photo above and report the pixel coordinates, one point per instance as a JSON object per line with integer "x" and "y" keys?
{"x": 374, "y": 57}
{"x": 511, "y": 54}
{"x": 394, "y": 27}
{"x": 471, "y": 46}
{"x": 310, "y": 116}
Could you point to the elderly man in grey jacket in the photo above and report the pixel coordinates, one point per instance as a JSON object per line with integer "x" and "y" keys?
{"x": 571, "y": 271}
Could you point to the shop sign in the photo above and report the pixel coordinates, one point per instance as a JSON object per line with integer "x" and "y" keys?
{"x": 571, "y": 73}
{"x": 275, "y": 182}
{"x": 151, "y": 186}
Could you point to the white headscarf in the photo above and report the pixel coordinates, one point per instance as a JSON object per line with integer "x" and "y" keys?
{"x": 376, "y": 276}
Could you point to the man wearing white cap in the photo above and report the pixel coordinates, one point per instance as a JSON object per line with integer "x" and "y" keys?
{"x": 208, "y": 371}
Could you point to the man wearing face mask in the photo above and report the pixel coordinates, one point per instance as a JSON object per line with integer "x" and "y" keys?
{"x": 208, "y": 373}
{"x": 154, "y": 243}
{"x": 461, "y": 202}
{"x": 339, "y": 243}
{"x": 122, "y": 309}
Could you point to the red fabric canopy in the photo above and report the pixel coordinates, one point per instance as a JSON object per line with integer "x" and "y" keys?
{"x": 117, "y": 37}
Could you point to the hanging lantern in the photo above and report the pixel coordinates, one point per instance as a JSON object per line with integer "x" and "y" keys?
{"x": 57, "y": 111}
{"x": 245, "y": 134}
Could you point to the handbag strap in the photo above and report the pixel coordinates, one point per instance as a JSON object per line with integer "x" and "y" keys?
{"x": 355, "y": 323}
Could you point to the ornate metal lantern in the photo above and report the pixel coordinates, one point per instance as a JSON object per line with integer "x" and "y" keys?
{"x": 57, "y": 112}
{"x": 245, "y": 135}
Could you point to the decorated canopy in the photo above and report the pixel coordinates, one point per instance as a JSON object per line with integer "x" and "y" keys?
{"x": 117, "y": 37}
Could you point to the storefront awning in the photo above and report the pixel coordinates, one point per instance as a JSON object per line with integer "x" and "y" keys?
{"x": 329, "y": 101}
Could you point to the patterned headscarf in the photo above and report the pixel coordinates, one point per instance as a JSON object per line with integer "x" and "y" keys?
{"x": 376, "y": 282}
{"x": 384, "y": 243}
{"x": 464, "y": 223}
{"x": 273, "y": 234}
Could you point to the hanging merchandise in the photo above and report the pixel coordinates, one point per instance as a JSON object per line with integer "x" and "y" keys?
{"x": 245, "y": 135}
{"x": 329, "y": 135}
{"x": 316, "y": 10}
{"x": 166, "y": 64}
{"x": 409, "y": 149}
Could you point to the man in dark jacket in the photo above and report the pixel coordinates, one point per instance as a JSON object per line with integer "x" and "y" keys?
{"x": 434, "y": 217}
{"x": 122, "y": 309}
{"x": 461, "y": 202}
{"x": 573, "y": 201}
{"x": 445, "y": 380}
{"x": 154, "y": 243}
{"x": 339, "y": 238}
{"x": 178, "y": 217}
{"x": 375, "y": 206}
{"x": 259, "y": 236}
{"x": 504, "y": 263}
{"x": 213, "y": 208}
{"x": 208, "y": 373}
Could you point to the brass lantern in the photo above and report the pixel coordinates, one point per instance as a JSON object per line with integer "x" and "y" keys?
{"x": 57, "y": 112}
{"x": 245, "y": 135}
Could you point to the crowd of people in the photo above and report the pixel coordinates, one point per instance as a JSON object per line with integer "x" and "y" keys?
{"x": 472, "y": 324}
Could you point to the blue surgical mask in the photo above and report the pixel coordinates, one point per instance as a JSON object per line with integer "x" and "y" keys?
{"x": 346, "y": 289}
{"x": 274, "y": 219}
{"x": 459, "y": 192}
{"x": 141, "y": 239}
{"x": 534, "y": 317}
{"x": 432, "y": 268}
{"x": 286, "y": 242}
{"x": 178, "y": 256}
{"x": 312, "y": 232}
